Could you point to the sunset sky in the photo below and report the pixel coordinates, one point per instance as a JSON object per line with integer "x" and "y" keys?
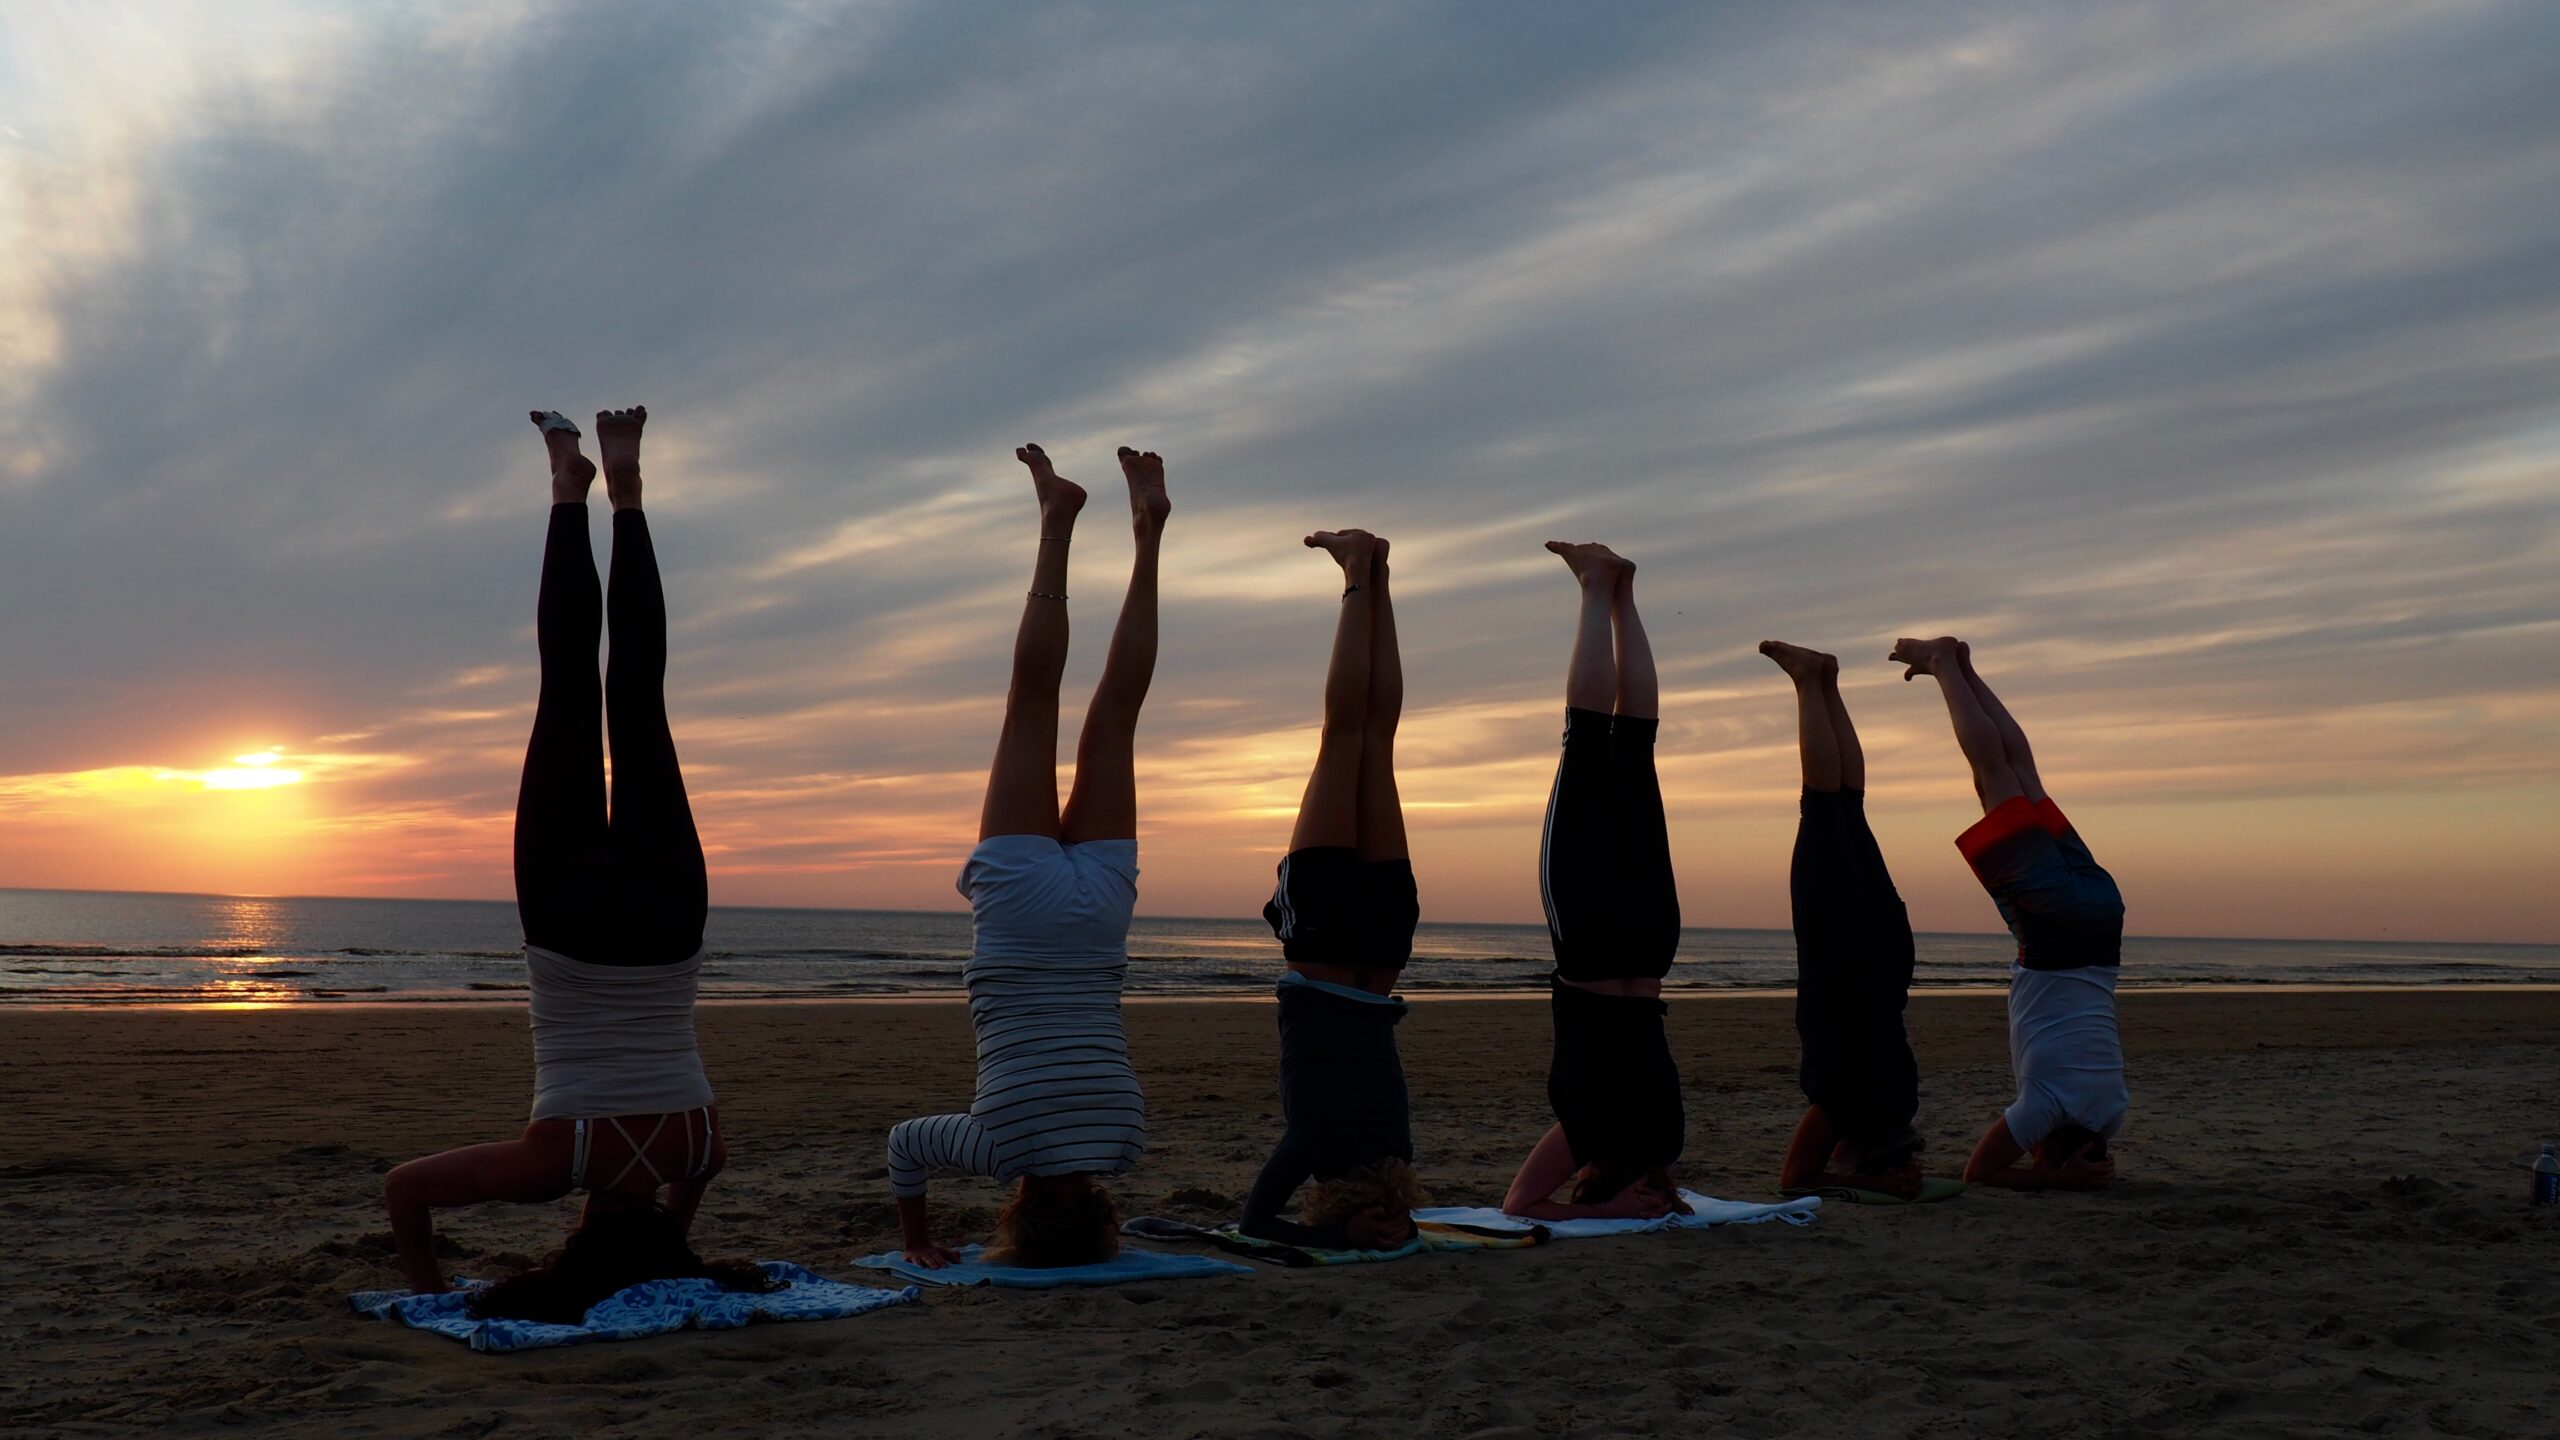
{"x": 2200, "y": 363}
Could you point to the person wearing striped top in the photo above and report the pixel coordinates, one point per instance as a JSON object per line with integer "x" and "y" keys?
{"x": 1050, "y": 893}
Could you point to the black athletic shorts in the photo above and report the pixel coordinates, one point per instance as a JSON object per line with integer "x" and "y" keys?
{"x": 1333, "y": 908}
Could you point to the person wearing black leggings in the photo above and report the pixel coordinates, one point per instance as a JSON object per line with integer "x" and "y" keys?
{"x": 1854, "y": 960}
{"x": 1613, "y": 921}
{"x": 613, "y": 896}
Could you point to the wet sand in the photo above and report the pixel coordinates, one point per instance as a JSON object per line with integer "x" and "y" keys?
{"x": 2321, "y": 1230}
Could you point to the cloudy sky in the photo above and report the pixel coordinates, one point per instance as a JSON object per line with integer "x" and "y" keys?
{"x": 2198, "y": 362}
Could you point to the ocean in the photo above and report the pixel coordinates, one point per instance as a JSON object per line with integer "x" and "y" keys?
{"x": 60, "y": 947}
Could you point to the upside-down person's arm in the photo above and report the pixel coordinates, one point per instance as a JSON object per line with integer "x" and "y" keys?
{"x": 1549, "y": 1165}
{"x": 1995, "y": 1162}
{"x": 1281, "y": 1176}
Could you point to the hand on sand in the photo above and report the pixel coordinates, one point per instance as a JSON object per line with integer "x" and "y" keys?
{"x": 2082, "y": 1173}
{"x": 929, "y": 1255}
{"x": 1060, "y": 498}
{"x": 1148, "y": 504}
{"x": 1902, "y": 1180}
{"x": 618, "y": 446}
{"x": 1924, "y": 657}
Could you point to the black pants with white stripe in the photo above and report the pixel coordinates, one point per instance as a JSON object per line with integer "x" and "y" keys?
{"x": 1613, "y": 909}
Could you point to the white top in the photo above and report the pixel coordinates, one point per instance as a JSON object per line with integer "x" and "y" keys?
{"x": 613, "y": 1039}
{"x": 2065, "y": 1052}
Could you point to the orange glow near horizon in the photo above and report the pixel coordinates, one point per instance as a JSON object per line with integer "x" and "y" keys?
{"x": 2454, "y": 863}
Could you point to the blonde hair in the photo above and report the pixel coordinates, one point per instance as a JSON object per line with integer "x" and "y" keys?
{"x": 1388, "y": 1185}
{"x": 1046, "y": 1226}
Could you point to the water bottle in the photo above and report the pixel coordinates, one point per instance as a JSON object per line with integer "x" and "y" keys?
{"x": 2546, "y": 1177}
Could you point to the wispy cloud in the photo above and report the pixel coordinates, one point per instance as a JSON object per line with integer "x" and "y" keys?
{"x": 2196, "y": 362}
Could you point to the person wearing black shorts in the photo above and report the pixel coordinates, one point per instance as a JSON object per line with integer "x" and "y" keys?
{"x": 1345, "y": 910}
{"x": 1853, "y": 960}
{"x": 1613, "y": 922}
{"x": 2067, "y": 915}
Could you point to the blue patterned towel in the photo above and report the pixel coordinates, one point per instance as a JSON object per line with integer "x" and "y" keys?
{"x": 652, "y": 1308}
{"x": 1128, "y": 1265}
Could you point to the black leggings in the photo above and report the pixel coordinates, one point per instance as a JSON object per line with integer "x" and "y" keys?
{"x": 1604, "y": 868}
{"x": 625, "y": 887}
{"x": 1853, "y": 975}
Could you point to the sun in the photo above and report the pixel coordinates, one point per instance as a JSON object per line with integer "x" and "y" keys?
{"x": 256, "y": 770}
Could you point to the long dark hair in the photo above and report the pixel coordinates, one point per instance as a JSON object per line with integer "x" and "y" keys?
{"x": 1603, "y": 1181}
{"x": 616, "y": 1248}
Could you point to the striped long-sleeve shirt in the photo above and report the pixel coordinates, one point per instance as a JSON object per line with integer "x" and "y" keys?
{"x": 1056, "y": 1094}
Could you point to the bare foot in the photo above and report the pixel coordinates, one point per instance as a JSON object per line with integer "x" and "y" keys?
{"x": 571, "y": 472}
{"x": 1354, "y": 550}
{"x": 1148, "y": 504}
{"x": 618, "y": 444}
{"x": 1925, "y": 656}
{"x": 1060, "y": 498}
{"x": 1800, "y": 663}
{"x": 1595, "y": 564}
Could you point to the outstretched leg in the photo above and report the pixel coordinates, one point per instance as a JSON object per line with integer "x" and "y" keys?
{"x": 1639, "y": 686}
{"x": 2013, "y": 739}
{"x": 1994, "y": 780}
{"x": 1329, "y": 811}
{"x": 560, "y": 805}
{"x": 1022, "y": 784}
{"x": 663, "y": 892}
{"x": 1104, "y": 803}
{"x": 1381, "y": 807}
{"x": 1579, "y": 845}
{"x": 1819, "y": 717}
{"x": 1591, "y": 676}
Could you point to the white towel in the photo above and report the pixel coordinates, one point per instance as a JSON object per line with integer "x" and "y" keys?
{"x": 1706, "y": 1210}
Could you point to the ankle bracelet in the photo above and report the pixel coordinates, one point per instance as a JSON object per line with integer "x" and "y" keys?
{"x": 1044, "y": 594}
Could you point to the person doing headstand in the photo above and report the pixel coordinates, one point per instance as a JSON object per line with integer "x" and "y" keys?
{"x": 1613, "y": 922}
{"x": 2068, "y": 918}
{"x": 1853, "y": 960}
{"x": 1345, "y": 910}
{"x": 613, "y": 896}
{"x": 1051, "y": 891}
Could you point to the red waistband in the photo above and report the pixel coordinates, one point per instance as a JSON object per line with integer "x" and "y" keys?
{"x": 2014, "y": 816}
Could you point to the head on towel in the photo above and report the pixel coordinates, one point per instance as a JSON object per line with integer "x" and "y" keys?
{"x": 615, "y": 1248}
{"x": 2068, "y": 1143}
{"x": 1374, "y": 1202}
{"x": 1600, "y": 1182}
{"x": 1054, "y": 1221}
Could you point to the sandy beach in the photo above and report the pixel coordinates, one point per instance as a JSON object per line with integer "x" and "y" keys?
{"x": 2322, "y": 1228}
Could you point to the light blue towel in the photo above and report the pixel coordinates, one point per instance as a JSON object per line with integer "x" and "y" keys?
{"x": 1707, "y": 1209}
{"x": 1121, "y": 1269}
{"x": 651, "y": 1308}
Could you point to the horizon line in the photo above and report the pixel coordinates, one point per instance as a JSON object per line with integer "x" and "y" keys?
{"x": 1518, "y": 924}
